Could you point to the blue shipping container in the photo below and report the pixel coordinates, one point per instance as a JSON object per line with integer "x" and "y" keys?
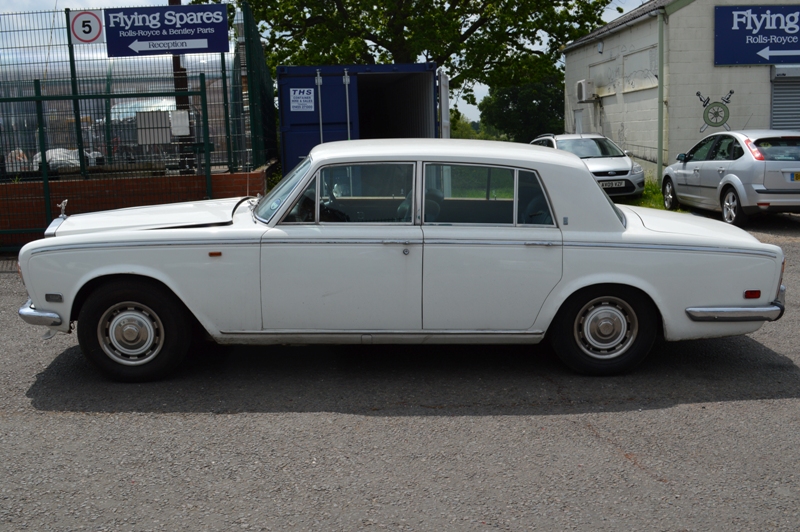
{"x": 328, "y": 103}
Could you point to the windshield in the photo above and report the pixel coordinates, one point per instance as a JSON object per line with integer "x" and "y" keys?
{"x": 590, "y": 148}
{"x": 270, "y": 203}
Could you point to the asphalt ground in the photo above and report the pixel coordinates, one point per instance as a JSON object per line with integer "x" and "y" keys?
{"x": 703, "y": 436}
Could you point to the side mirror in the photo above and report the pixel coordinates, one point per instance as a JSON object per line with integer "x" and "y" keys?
{"x": 682, "y": 157}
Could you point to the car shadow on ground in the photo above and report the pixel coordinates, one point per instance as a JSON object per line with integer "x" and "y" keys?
{"x": 423, "y": 380}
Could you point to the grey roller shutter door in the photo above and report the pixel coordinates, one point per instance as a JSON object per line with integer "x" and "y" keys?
{"x": 786, "y": 104}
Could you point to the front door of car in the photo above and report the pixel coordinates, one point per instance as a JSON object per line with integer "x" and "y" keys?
{"x": 715, "y": 168}
{"x": 487, "y": 265}
{"x": 689, "y": 172}
{"x": 351, "y": 261}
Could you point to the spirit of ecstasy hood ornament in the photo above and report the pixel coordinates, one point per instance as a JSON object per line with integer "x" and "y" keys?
{"x": 63, "y": 206}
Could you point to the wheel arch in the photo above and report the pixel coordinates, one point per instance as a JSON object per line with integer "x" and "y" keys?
{"x": 557, "y": 306}
{"x": 93, "y": 284}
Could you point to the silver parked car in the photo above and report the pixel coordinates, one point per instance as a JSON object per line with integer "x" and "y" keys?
{"x": 612, "y": 167}
{"x": 739, "y": 173}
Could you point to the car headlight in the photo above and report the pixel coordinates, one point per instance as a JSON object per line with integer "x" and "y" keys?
{"x": 636, "y": 168}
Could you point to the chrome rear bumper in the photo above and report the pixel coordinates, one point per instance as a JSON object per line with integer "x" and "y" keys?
{"x": 38, "y": 317}
{"x": 769, "y": 313}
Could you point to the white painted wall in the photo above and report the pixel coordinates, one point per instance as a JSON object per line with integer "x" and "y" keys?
{"x": 625, "y": 81}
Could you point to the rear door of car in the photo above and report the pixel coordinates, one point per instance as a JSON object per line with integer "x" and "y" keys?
{"x": 350, "y": 261}
{"x": 492, "y": 250}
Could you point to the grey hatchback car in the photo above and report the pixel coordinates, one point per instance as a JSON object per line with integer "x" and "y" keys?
{"x": 612, "y": 167}
{"x": 738, "y": 173}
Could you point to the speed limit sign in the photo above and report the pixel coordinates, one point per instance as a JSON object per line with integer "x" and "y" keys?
{"x": 86, "y": 26}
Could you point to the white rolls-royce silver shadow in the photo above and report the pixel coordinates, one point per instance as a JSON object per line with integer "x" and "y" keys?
{"x": 401, "y": 241}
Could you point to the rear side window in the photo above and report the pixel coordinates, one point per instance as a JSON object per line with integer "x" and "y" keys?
{"x": 780, "y": 148}
{"x": 464, "y": 194}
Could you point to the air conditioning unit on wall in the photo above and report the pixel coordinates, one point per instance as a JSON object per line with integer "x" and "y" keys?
{"x": 584, "y": 91}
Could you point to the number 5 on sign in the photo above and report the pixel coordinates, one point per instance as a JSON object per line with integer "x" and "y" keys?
{"x": 86, "y": 27}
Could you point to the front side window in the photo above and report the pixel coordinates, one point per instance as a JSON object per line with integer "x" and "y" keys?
{"x": 367, "y": 193}
{"x": 701, "y": 150}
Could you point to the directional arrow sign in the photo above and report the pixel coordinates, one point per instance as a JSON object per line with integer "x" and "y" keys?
{"x": 189, "y": 29}
{"x": 186, "y": 45}
{"x": 766, "y": 53}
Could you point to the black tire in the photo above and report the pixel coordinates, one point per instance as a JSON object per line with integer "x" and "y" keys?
{"x": 150, "y": 325}
{"x": 670, "y": 197}
{"x": 604, "y": 329}
{"x": 732, "y": 212}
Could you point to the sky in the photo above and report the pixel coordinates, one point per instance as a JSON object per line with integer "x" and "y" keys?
{"x": 470, "y": 111}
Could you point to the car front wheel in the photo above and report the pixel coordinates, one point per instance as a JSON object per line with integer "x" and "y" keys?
{"x": 670, "y": 198}
{"x": 604, "y": 330}
{"x": 732, "y": 212}
{"x": 133, "y": 331}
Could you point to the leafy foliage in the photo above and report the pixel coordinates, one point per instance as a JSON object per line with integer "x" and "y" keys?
{"x": 524, "y": 111}
{"x": 476, "y": 41}
{"x": 462, "y": 128}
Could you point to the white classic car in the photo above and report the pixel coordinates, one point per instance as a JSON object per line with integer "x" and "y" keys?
{"x": 401, "y": 241}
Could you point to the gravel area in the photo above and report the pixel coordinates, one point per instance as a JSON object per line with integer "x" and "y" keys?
{"x": 703, "y": 436}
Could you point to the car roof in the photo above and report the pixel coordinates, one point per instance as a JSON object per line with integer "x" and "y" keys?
{"x": 455, "y": 150}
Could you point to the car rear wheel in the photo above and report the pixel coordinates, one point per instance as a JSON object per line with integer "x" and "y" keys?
{"x": 732, "y": 212}
{"x": 604, "y": 330}
{"x": 670, "y": 198}
{"x": 133, "y": 331}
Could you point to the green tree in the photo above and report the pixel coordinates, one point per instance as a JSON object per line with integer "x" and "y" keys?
{"x": 476, "y": 41}
{"x": 526, "y": 110}
{"x": 462, "y": 128}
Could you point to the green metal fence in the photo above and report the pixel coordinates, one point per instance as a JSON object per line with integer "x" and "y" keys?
{"x": 143, "y": 129}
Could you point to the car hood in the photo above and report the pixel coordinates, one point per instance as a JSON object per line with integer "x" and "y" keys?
{"x": 691, "y": 225}
{"x": 606, "y": 164}
{"x": 189, "y": 214}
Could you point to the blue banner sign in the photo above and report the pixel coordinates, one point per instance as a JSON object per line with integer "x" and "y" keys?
{"x": 756, "y": 35}
{"x": 173, "y": 30}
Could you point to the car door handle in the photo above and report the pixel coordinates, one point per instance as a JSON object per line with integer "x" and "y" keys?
{"x": 720, "y": 170}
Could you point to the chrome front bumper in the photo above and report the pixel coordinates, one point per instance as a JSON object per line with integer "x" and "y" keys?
{"x": 38, "y": 317}
{"x": 769, "y": 313}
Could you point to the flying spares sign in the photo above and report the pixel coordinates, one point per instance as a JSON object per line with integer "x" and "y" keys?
{"x": 174, "y": 30}
{"x": 756, "y": 35}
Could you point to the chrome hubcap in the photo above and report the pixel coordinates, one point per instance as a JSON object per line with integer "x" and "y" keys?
{"x": 606, "y": 327}
{"x": 668, "y": 195}
{"x": 130, "y": 333}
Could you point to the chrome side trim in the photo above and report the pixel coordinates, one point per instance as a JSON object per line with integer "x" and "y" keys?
{"x": 38, "y": 317}
{"x": 438, "y": 332}
{"x": 455, "y": 242}
{"x": 772, "y": 312}
{"x": 378, "y": 337}
{"x": 140, "y": 244}
{"x": 339, "y": 241}
{"x": 670, "y": 247}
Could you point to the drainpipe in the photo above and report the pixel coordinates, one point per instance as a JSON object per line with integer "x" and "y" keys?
{"x": 660, "y": 142}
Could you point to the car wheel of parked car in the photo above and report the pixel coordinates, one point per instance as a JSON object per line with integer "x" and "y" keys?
{"x": 133, "y": 330}
{"x": 670, "y": 197}
{"x": 732, "y": 208}
{"x": 604, "y": 330}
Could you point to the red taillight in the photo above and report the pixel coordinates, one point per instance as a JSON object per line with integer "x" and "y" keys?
{"x": 752, "y": 294}
{"x": 754, "y": 150}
